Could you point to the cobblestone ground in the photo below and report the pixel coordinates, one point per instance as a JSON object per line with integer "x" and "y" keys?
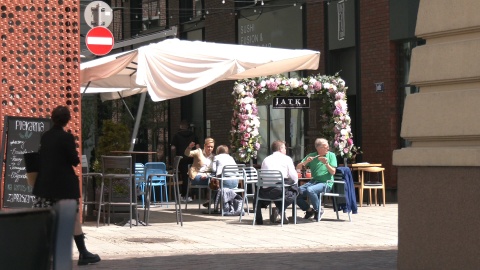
{"x": 214, "y": 242}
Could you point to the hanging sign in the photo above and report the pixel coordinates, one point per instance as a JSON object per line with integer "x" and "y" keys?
{"x": 291, "y": 102}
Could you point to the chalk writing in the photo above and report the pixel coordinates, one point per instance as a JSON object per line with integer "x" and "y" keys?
{"x": 21, "y": 198}
{"x": 29, "y": 126}
{"x": 21, "y": 143}
{"x": 23, "y": 136}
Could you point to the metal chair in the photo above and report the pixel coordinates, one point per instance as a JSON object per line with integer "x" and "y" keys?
{"x": 337, "y": 191}
{"x": 250, "y": 180}
{"x": 176, "y": 188}
{"x": 273, "y": 179}
{"x": 199, "y": 187}
{"x": 118, "y": 168}
{"x": 140, "y": 180}
{"x": 232, "y": 173}
{"x": 88, "y": 184}
{"x": 158, "y": 170}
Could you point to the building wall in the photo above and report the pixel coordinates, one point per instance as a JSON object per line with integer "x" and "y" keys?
{"x": 220, "y": 27}
{"x": 438, "y": 174}
{"x": 380, "y": 110}
{"x": 40, "y": 52}
{"x": 378, "y": 63}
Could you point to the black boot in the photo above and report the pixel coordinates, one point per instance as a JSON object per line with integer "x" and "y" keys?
{"x": 85, "y": 256}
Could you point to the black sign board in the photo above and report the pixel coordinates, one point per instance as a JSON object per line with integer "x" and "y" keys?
{"x": 291, "y": 102}
{"x": 20, "y": 135}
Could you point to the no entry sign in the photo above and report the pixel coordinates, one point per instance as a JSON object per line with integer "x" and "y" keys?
{"x": 99, "y": 40}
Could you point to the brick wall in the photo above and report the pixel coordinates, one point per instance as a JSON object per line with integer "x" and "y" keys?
{"x": 380, "y": 111}
{"x": 220, "y": 28}
{"x": 378, "y": 62}
{"x": 315, "y": 40}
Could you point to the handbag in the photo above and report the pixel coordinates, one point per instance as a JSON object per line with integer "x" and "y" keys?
{"x": 32, "y": 165}
{"x": 214, "y": 184}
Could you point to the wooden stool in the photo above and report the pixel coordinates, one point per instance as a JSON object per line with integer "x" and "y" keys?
{"x": 367, "y": 184}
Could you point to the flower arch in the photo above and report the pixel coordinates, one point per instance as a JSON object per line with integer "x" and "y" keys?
{"x": 334, "y": 112}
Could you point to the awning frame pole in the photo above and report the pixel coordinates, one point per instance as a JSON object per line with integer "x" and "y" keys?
{"x": 138, "y": 119}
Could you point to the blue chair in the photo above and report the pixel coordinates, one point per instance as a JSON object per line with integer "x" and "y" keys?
{"x": 157, "y": 181}
{"x": 140, "y": 180}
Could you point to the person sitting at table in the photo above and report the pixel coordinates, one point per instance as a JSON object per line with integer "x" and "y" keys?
{"x": 278, "y": 160}
{"x": 200, "y": 171}
{"x": 322, "y": 164}
{"x": 221, "y": 159}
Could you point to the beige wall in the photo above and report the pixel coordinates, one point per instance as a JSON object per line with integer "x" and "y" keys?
{"x": 439, "y": 175}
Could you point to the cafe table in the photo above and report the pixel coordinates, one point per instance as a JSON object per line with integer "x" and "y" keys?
{"x": 133, "y": 153}
{"x": 358, "y": 167}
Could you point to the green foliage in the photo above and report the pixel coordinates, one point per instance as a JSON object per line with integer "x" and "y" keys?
{"x": 88, "y": 121}
{"x": 114, "y": 137}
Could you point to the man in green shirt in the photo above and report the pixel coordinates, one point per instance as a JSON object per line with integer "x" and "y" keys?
{"x": 322, "y": 164}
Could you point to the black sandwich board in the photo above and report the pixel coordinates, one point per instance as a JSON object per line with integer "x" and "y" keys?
{"x": 20, "y": 135}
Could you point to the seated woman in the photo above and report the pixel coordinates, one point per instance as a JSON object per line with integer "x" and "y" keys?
{"x": 201, "y": 168}
{"x": 221, "y": 159}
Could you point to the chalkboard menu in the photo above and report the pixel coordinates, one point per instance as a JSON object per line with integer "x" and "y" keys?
{"x": 20, "y": 135}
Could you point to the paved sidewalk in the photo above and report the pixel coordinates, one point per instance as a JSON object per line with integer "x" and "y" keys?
{"x": 215, "y": 242}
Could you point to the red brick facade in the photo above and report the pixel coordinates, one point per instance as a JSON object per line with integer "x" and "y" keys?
{"x": 380, "y": 112}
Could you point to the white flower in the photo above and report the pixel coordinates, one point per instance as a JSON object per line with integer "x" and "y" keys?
{"x": 263, "y": 83}
{"x": 256, "y": 122}
{"x": 326, "y": 85}
{"x": 341, "y": 104}
{"x": 294, "y": 83}
{"x": 247, "y": 100}
{"x": 239, "y": 88}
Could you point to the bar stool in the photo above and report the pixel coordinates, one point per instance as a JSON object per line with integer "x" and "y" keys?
{"x": 377, "y": 172}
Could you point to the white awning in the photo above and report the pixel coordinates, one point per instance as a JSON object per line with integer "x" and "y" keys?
{"x": 173, "y": 68}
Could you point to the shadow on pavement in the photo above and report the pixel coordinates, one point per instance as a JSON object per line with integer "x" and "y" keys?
{"x": 361, "y": 259}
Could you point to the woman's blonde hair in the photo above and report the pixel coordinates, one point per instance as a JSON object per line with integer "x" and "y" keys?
{"x": 209, "y": 140}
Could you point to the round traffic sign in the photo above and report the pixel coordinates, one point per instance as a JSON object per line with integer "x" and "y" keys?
{"x": 98, "y": 13}
{"x": 99, "y": 40}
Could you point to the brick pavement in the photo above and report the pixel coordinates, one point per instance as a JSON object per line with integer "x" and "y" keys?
{"x": 215, "y": 242}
